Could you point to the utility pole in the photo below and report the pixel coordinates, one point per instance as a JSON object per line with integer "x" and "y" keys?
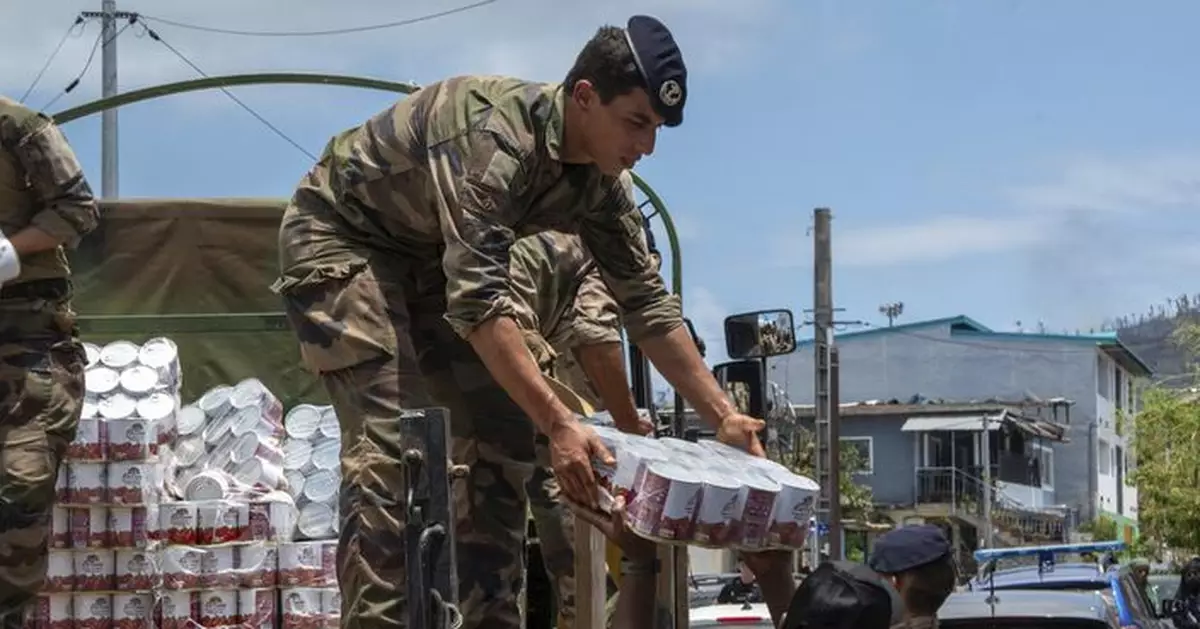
{"x": 824, "y": 394}
{"x": 108, "y": 15}
{"x": 892, "y": 311}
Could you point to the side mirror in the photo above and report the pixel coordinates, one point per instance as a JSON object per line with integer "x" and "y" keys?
{"x": 744, "y": 382}
{"x": 760, "y": 334}
{"x": 1169, "y": 607}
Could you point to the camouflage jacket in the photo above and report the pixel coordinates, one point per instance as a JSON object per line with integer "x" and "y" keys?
{"x": 41, "y": 185}
{"x": 564, "y": 301}
{"x": 449, "y": 178}
{"x": 918, "y": 622}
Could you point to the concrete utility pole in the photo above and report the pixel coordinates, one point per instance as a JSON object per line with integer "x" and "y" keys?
{"x": 824, "y": 393}
{"x": 108, "y": 15}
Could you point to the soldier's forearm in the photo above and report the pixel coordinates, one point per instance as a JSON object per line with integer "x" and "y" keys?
{"x": 32, "y": 240}
{"x": 604, "y": 365}
{"x": 501, "y": 346}
{"x": 636, "y": 602}
{"x": 675, "y": 356}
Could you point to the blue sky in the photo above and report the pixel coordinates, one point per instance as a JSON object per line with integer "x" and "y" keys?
{"x": 1012, "y": 160}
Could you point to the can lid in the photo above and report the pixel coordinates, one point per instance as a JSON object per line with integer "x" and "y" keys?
{"x": 92, "y": 352}
{"x": 138, "y": 379}
{"x": 205, "y": 486}
{"x": 118, "y": 406}
{"x": 157, "y": 406}
{"x": 247, "y": 393}
{"x": 296, "y": 454}
{"x": 245, "y": 420}
{"x": 327, "y": 454}
{"x": 90, "y": 410}
{"x": 315, "y": 520}
{"x": 302, "y": 421}
{"x": 321, "y": 485}
{"x": 249, "y": 471}
{"x": 214, "y": 399}
{"x": 158, "y": 353}
{"x": 101, "y": 380}
{"x": 190, "y": 419}
{"x": 119, "y": 354}
{"x": 329, "y": 426}
{"x": 295, "y": 481}
{"x": 189, "y": 450}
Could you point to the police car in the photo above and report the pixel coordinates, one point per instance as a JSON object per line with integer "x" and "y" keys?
{"x": 743, "y": 615}
{"x": 1018, "y": 609}
{"x": 1115, "y": 583}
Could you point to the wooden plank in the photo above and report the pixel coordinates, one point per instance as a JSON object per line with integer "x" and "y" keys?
{"x": 591, "y": 586}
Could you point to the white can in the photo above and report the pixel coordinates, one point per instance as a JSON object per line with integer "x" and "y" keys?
{"x": 215, "y": 402}
{"x": 256, "y": 608}
{"x": 62, "y": 484}
{"x": 181, "y": 567}
{"x": 301, "y": 607}
{"x": 91, "y": 353}
{"x": 315, "y": 521}
{"x": 217, "y": 568}
{"x": 159, "y": 408}
{"x": 133, "y": 611}
{"x": 86, "y": 483}
{"x": 92, "y": 610}
{"x": 162, "y": 355}
{"x": 251, "y": 420}
{"x": 130, "y": 482}
{"x": 297, "y": 455}
{"x": 117, "y": 406}
{"x": 206, "y": 486}
{"x": 190, "y": 420}
{"x": 88, "y": 444}
{"x": 119, "y": 354}
{"x": 256, "y": 565}
{"x": 55, "y": 611}
{"x": 133, "y": 527}
{"x": 136, "y": 570}
{"x": 222, "y": 521}
{"x": 89, "y": 527}
{"x": 302, "y": 422}
{"x": 60, "y": 527}
{"x": 302, "y": 564}
{"x": 101, "y": 381}
{"x": 178, "y": 522}
{"x": 330, "y": 427}
{"x": 60, "y": 571}
{"x": 180, "y": 609}
{"x": 259, "y": 473}
{"x": 327, "y": 455}
{"x": 95, "y": 570}
{"x": 128, "y": 440}
{"x": 321, "y": 485}
{"x": 219, "y": 608}
{"x": 139, "y": 380}
{"x": 331, "y": 602}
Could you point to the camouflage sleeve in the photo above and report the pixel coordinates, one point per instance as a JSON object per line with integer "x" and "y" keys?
{"x": 68, "y": 208}
{"x": 595, "y": 318}
{"x": 474, "y": 176}
{"x": 614, "y": 235}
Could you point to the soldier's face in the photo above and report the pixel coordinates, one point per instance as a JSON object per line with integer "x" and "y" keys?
{"x": 618, "y": 133}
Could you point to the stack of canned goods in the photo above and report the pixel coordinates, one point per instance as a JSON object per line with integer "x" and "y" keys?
{"x": 312, "y": 464}
{"x": 706, "y": 493}
{"x": 105, "y": 538}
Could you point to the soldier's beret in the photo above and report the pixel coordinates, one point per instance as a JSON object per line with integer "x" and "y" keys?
{"x": 661, "y": 64}
{"x": 908, "y": 547}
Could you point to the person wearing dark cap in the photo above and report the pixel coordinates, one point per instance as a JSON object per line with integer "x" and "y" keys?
{"x": 394, "y": 274}
{"x": 919, "y": 561}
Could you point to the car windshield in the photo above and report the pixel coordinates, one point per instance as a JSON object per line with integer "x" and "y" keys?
{"x": 1022, "y": 623}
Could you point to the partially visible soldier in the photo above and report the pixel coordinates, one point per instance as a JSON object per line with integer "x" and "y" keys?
{"x": 573, "y": 329}
{"x": 919, "y": 561}
{"x": 46, "y": 206}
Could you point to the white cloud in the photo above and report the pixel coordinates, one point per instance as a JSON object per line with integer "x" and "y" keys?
{"x": 509, "y": 36}
{"x": 1093, "y": 184}
{"x": 937, "y": 240}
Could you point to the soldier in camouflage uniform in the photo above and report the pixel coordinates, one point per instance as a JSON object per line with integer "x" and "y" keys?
{"x": 574, "y": 333}
{"x": 394, "y": 257}
{"x": 46, "y": 205}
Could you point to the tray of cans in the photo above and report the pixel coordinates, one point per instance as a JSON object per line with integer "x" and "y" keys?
{"x": 706, "y": 493}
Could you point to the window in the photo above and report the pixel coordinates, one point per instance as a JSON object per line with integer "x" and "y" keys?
{"x": 1119, "y": 389}
{"x": 1103, "y": 374}
{"x": 1104, "y": 458}
{"x": 1045, "y": 455}
{"x": 865, "y": 449}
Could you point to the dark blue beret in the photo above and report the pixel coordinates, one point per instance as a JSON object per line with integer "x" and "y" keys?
{"x": 661, "y": 65}
{"x": 908, "y": 547}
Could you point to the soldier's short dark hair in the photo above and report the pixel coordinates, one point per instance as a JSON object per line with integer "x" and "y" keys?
{"x": 925, "y": 588}
{"x": 608, "y": 63}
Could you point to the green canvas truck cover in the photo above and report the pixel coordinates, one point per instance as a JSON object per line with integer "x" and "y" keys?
{"x": 197, "y": 271}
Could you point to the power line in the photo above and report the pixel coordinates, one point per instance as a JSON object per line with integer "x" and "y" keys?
{"x": 37, "y": 79}
{"x": 91, "y": 57}
{"x": 338, "y": 31}
{"x": 155, "y": 36}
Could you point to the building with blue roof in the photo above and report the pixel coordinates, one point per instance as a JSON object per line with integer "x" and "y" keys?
{"x": 912, "y": 396}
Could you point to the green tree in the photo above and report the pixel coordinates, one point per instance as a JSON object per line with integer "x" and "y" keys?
{"x": 1167, "y": 444}
{"x": 856, "y": 499}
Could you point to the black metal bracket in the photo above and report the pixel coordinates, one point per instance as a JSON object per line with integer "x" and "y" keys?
{"x": 429, "y": 524}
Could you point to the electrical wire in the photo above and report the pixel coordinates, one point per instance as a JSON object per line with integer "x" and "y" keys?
{"x": 279, "y": 132}
{"x": 337, "y": 31}
{"x": 91, "y": 57}
{"x": 37, "y": 79}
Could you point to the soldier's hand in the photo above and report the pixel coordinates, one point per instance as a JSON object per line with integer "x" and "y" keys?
{"x": 613, "y": 526}
{"x": 636, "y": 425}
{"x": 741, "y": 431}
{"x": 573, "y": 446}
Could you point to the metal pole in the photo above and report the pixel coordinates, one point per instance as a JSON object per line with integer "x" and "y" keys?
{"x": 836, "y": 535}
{"x": 108, "y": 89}
{"x": 985, "y": 456}
{"x": 822, "y": 326}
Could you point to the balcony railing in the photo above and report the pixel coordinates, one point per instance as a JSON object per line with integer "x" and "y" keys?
{"x": 964, "y": 494}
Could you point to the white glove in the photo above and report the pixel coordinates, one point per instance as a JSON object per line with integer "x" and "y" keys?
{"x": 10, "y": 264}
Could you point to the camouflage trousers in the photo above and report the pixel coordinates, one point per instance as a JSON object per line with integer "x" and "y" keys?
{"x": 411, "y": 358}
{"x": 41, "y": 397}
